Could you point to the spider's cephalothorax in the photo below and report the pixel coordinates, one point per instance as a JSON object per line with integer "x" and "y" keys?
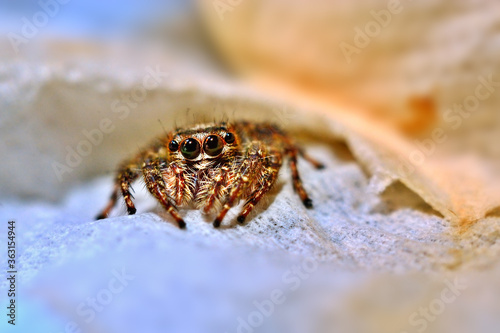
{"x": 211, "y": 167}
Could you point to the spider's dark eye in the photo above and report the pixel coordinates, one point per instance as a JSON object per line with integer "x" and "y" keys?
{"x": 213, "y": 145}
{"x": 229, "y": 137}
{"x": 190, "y": 148}
{"x": 173, "y": 146}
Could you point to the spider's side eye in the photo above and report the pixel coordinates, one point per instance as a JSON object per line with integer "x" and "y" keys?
{"x": 229, "y": 137}
{"x": 173, "y": 146}
{"x": 190, "y": 148}
{"x": 213, "y": 145}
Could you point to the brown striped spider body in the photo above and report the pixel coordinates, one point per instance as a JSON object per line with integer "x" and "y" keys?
{"x": 211, "y": 167}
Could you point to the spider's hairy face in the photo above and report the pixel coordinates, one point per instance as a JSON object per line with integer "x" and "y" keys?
{"x": 201, "y": 164}
{"x": 203, "y": 145}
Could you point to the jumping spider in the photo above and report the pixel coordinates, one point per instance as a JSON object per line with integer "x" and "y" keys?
{"x": 211, "y": 167}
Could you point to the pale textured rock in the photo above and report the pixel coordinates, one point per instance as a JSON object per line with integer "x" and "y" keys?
{"x": 203, "y": 279}
{"x": 48, "y": 104}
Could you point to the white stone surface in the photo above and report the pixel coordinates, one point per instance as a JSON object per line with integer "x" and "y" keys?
{"x": 374, "y": 261}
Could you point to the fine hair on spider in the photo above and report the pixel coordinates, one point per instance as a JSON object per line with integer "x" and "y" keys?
{"x": 211, "y": 167}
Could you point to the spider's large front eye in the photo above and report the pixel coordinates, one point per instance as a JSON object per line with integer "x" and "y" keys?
{"x": 190, "y": 148}
{"x": 213, "y": 145}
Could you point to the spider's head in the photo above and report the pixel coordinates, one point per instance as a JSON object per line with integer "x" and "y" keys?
{"x": 205, "y": 142}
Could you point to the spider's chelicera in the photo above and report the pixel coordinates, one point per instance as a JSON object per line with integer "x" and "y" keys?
{"x": 211, "y": 167}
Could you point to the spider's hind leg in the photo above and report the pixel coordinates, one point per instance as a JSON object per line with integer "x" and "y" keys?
{"x": 293, "y": 151}
{"x": 297, "y": 181}
{"x": 127, "y": 173}
{"x": 111, "y": 203}
{"x": 318, "y": 165}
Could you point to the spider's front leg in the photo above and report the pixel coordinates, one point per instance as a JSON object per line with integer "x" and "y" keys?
{"x": 156, "y": 185}
{"x": 257, "y": 173}
{"x": 269, "y": 173}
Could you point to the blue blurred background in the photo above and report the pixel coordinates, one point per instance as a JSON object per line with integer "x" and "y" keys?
{"x": 92, "y": 18}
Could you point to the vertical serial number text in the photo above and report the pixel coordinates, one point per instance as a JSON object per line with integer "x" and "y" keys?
{"x": 11, "y": 272}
